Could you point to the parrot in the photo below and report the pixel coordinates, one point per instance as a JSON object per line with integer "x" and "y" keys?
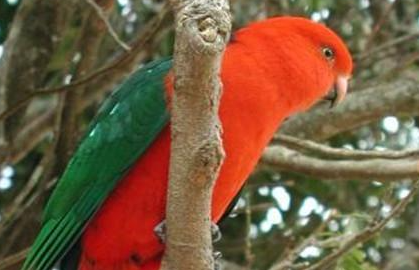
{"x": 107, "y": 203}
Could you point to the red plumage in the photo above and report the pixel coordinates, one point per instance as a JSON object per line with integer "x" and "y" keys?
{"x": 271, "y": 69}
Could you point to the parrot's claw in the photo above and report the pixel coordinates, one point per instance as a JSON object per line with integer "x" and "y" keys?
{"x": 215, "y": 232}
{"x": 216, "y": 236}
{"x": 160, "y": 231}
{"x": 217, "y": 256}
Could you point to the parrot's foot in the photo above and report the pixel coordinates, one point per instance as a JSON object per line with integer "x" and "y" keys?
{"x": 215, "y": 232}
{"x": 216, "y": 236}
{"x": 217, "y": 255}
{"x": 160, "y": 231}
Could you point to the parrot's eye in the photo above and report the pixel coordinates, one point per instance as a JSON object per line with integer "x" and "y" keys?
{"x": 328, "y": 53}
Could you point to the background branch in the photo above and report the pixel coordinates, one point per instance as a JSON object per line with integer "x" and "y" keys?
{"x": 284, "y": 159}
{"x": 328, "y": 152}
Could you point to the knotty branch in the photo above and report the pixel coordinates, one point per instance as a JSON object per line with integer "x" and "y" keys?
{"x": 202, "y": 30}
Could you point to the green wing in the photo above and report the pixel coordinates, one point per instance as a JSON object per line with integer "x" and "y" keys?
{"x": 126, "y": 125}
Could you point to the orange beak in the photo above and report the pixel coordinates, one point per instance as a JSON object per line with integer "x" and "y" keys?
{"x": 339, "y": 90}
{"x": 341, "y": 87}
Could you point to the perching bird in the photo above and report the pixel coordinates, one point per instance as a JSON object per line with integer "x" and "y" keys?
{"x": 112, "y": 195}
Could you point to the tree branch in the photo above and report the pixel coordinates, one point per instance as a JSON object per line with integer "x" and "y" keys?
{"x": 104, "y": 17}
{"x": 202, "y": 31}
{"x": 284, "y": 159}
{"x": 328, "y": 152}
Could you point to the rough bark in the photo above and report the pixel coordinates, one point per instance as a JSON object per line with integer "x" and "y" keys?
{"x": 202, "y": 30}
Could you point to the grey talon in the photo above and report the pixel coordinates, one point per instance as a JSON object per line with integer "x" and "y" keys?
{"x": 160, "y": 231}
{"x": 215, "y": 232}
{"x": 217, "y": 255}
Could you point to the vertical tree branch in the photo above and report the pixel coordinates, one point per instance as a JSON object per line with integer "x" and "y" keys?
{"x": 202, "y": 31}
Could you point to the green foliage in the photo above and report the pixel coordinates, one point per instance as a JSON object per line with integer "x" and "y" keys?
{"x": 356, "y": 259}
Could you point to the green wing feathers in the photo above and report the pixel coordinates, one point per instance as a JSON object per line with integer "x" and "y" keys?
{"x": 125, "y": 127}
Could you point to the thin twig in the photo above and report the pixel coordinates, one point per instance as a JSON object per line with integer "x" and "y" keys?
{"x": 341, "y": 153}
{"x": 287, "y": 260}
{"x": 369, "y": 232}
{"x": 249, "y": 257}
{"x": 111, "y": 31}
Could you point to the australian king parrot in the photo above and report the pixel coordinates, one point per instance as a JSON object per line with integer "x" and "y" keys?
{"x": 111, "y": 196}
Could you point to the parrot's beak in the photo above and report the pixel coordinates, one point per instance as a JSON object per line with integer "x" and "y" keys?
{"x": 339, "y": 91}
